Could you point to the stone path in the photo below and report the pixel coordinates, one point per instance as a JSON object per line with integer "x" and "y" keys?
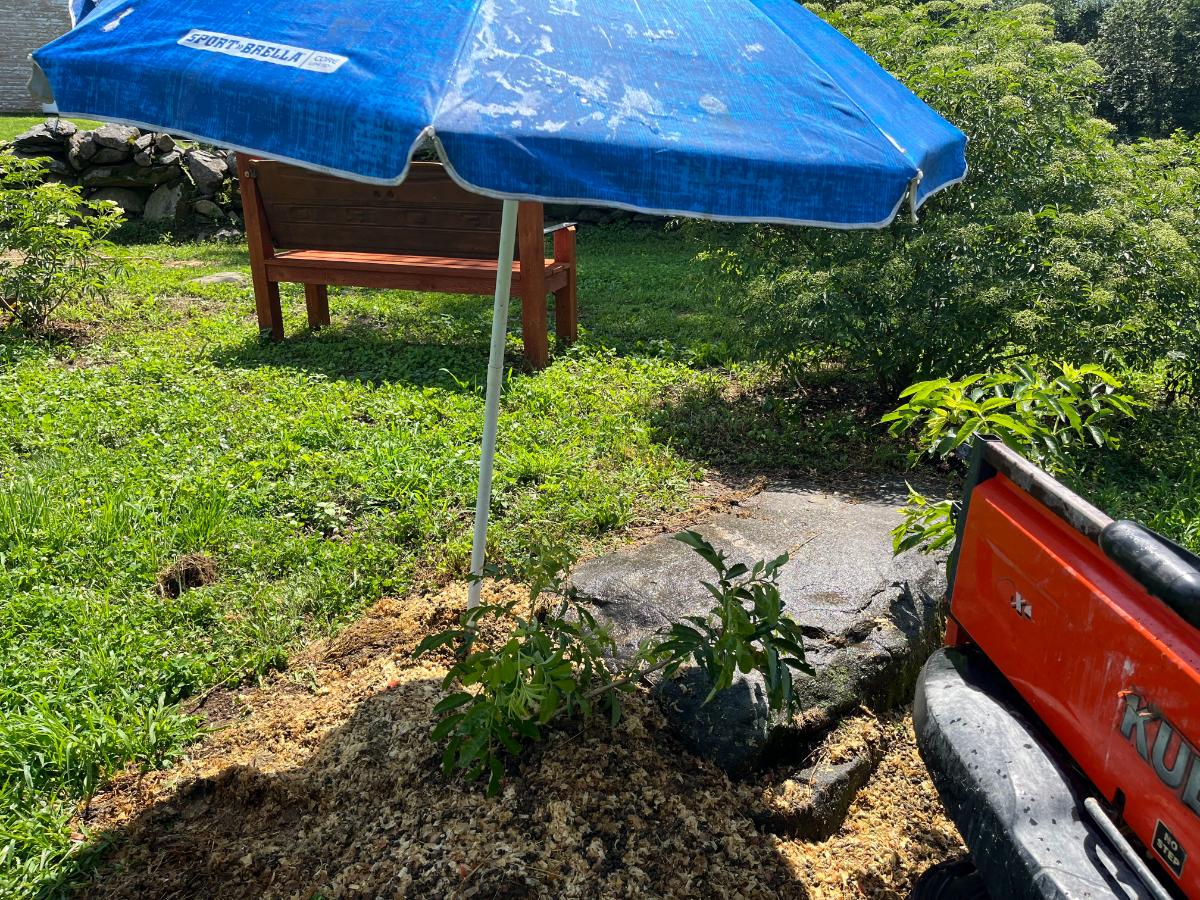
{"x": 870, "y": 617}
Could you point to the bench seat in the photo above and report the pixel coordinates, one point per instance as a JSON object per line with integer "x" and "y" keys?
{"x": 402, "y": 271}
{"x": 425, "y": 234}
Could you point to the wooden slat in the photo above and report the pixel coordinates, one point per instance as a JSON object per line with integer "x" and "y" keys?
{"x": 401, "y": 272}
{"x": 427, "y": 214}
{"x": 344, "y": 259}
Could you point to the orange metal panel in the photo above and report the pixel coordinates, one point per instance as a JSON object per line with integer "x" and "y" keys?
{"x": 1113, "y": 672}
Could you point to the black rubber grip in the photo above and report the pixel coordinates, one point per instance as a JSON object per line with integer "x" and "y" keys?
{"x": 1162, "y": 567}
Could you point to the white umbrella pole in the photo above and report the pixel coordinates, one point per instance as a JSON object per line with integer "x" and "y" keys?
{"x": 495, "y": 378}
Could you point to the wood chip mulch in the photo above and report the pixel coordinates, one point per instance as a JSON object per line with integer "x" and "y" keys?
{"x": 322, "y": 783}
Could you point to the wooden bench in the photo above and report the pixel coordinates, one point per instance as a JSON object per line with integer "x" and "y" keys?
{"x": 426, "y": 234}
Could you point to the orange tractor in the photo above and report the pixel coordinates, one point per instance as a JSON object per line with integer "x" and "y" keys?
{"x": 1061, "y": 721}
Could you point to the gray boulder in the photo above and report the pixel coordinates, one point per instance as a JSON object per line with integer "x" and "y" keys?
{"x": 143, "y": 158}
{"x": 50, "y": 136}
{"x": 208, "y": 170}
{"x": 107, "y": 156}
{"x": 206, "y": 208}
{"x": 731, "y": 730}
{"x": 131, "y": 202}
{"x": 222, "y": 278}
{"x": 170, "y": 158}
{"x": 81, "y": 149}
{"x": 163, "y": 204}
{"x": 870, "y": 618}
{"x": 116, "y": 137}
{"x": 164, "y": 143}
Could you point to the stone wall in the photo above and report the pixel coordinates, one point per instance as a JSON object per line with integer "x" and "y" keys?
{"x": 147, "y": 174}
{"x": 25, "y": 25}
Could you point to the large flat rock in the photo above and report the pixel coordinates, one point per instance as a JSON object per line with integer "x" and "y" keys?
{"x": 870, "y": 617}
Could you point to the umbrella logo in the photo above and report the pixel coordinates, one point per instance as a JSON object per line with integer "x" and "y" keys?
{"x": 262, "y": 51}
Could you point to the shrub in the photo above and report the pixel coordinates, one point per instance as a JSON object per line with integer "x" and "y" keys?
{"x": 1054, "y": 246}
{"x": 51, "y": 243}
{"x": 1041, "y": 416}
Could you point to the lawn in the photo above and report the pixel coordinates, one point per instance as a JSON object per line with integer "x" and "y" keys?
{"x": 11, "y": 126}
{"x": 156, "y": 431}
{"x": 318, "y": 475}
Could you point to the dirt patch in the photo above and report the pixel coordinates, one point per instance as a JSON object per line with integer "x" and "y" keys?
{"x": 322, "y": 782}
{"x": 195, "y": 570}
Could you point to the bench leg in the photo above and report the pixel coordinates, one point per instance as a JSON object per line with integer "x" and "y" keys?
{"x": 266, "y": 305}
{"x": 535, "y": 330}
{"x": 531, "y": 244}
{"x": 316, "y": 298}
{"x": 566, "y": 321}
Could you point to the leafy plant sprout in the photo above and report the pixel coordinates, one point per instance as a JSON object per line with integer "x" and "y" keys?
{"x": 52, "y": 248}
{"x": 1041, "y": 416}
{"x": 555, "y": 660}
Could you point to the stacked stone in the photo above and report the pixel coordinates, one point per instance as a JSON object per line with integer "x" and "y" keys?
{"x": 145, "y": 173}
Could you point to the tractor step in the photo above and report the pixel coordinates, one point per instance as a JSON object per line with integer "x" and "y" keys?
{"x": 1003, "y": 782}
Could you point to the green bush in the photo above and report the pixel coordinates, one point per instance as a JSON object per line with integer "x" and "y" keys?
{"x": 1149, "y": 50}
{"x": 51, "y": 243}
{"x": 1059, "y": 243}
{"x": 1044, "y": 417}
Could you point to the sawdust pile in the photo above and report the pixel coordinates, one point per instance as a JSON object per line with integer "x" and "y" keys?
{"x": 323, "y": 783}
{"x": 895, "y": 830}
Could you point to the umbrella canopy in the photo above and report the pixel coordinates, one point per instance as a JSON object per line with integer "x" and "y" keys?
{"x": 743, "y": 109}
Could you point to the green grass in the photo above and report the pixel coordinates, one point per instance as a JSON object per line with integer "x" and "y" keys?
{"x": 334, "y": 468}
{"x": 11, "y": 126}
{"x": 319, "y": 474}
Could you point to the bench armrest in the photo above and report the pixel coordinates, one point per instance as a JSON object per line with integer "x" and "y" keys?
{"x": 559, "y": 227}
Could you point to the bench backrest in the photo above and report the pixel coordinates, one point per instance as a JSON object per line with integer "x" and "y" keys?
{"x": 426, "y": 215}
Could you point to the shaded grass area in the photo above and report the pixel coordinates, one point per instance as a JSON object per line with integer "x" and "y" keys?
{"x": 317, "y": 475}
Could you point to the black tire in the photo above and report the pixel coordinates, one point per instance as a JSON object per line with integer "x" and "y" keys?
{"x": 954, "y": 880}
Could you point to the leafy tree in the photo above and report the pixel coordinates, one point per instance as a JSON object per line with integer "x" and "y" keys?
{"x": 1150, "y": 53}
{"x": 1054, "y": 246}
{"x": 1078, "y": 21}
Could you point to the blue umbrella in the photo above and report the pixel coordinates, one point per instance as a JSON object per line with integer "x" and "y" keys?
{"x": 742, "y": 110}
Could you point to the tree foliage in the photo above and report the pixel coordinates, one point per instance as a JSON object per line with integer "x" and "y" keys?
{"x": 1150, "y": 53}
{"x": 1060, "y": 243}
{"x": 1042, "y": 415}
